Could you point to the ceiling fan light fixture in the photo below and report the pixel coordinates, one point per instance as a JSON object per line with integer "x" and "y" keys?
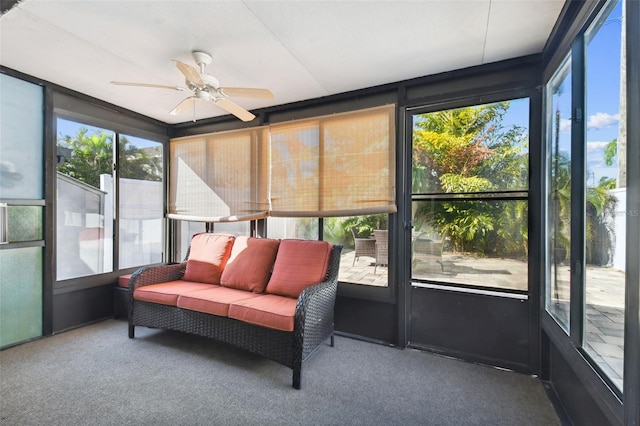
{"x": 203, "y": 95}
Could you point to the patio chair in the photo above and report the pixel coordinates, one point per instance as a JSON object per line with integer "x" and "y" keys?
{"x": 364, "y": 246}
{"x": 382, "y": 248}
{"x": 428, "y": 250}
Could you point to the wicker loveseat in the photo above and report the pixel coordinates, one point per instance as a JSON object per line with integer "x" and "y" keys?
{"x": 271, "y": 297}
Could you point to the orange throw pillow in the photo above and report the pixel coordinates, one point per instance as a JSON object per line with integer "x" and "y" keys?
{"x": 208, "y": 255}
{"x": 299, "y": 264}
{"x": 250, "y": 264}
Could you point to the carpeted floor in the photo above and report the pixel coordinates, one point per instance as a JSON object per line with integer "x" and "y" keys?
{"x": 96, "y": 375}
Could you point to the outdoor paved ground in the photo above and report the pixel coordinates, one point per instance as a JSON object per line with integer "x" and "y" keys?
{"x": 604, "y": 337}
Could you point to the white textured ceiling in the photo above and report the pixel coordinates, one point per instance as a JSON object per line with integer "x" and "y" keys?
{"x": 298, "y": 49}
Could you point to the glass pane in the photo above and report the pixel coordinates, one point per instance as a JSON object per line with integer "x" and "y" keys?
{"x": 21, "y": 301}
{"x": 25, "y": 223}
{"x": 300, "y": 228}
{"x": 186, "y": 231}
{"x": 365, "y": 250}
{"x": 477, "y": 243}
{"x": 482, "y": 148}
{"x": 606, "y": 196}
{"x": 21, "y": 142}
{"x": 141, "y": 202}
{"x": 559, "y": 221}
{"x": 233, "y": 228}
{"x": 84, "y": 205}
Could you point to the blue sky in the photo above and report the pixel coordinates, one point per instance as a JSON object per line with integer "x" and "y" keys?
{"x": 603, "y": 96}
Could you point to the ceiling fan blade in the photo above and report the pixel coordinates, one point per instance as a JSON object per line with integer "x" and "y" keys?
{"x": 184, "y": 106}
{"x": 246, "y": 92}
{"x": 156, "y": 86}
{"x": 234, "y": 109}
{"x": 190, "y": 73}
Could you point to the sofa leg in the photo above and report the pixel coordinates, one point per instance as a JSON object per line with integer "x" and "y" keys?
{"x": 296, "y": 378}
{"x": 332, "y": 341}
{"x": 131, "y": 331}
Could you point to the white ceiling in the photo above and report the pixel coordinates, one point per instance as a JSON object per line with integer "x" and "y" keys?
{"x": 298, "y": 49}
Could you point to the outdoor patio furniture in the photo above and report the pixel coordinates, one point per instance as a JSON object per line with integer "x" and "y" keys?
{"x": 428, "y": 250}
{"x": 382, "y": 248}
{"x": 364, "y": 246}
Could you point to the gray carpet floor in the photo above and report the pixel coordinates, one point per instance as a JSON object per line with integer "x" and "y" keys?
{"x": 96, "y": 375}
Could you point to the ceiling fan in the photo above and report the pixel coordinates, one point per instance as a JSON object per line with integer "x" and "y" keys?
{"x": 206, "y": 87}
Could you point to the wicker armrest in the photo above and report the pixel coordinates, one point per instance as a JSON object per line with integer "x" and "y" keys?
{"x": 156, "y": 274}
{"x": 315, "y": 305}
{"x": 315, "y": 296}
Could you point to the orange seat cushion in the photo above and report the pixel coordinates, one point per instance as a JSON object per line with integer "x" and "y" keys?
{"x": 208, "y": 254}
{"x": 123, "y": 280}
{"x": 214, "y": 301}
{"x": 299, "y": 264}
{"x": 266, "y": 310}
{"x": 167, "y": 293}
{"x": 250, "y": 263}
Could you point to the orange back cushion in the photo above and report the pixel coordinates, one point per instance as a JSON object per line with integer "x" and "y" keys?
{"x": 208, "y": 255}
{"x": 250, "y": 264}
{"x": 299, "y": 264}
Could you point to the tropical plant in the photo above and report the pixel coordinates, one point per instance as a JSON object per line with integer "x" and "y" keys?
{"x": 92, "y": 156}
{"x": 465, "y": 151}
{"x": 338, "y": 230}
{"x": 600, "y": 209}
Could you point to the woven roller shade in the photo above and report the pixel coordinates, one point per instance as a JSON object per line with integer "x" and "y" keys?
{"x": 339, "y": 165}
{"x": 219, "y": 177}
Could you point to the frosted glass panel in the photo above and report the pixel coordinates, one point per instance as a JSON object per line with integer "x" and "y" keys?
{"x": 21, "y": 153}
{"x": 25, "y": 223}
{"x": 21, "y": 290}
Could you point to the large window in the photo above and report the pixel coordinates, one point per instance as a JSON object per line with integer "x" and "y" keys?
{"x": 307, "y": 179}
{"x": 84, "y": 220}
{"x": 605, "y": 192}
{"x": 585, "y": 291}
{"x": 87, "y": 194}
{"x": 470, "y": 169}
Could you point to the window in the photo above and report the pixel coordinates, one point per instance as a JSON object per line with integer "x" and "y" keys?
{"x": 587, "y": 195}
{"x": 84, "y": 223}
{"x": 87, "y": 194}
{"x": 605, "y": 192}
{"x": 559, "y": 201}
{"x": 141, "y": 202}
{"x": 365, "y": 253}
{"x": 22, "y": 210}
{"x": 331, "y": 171}
{"x": 469, "y": 201}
